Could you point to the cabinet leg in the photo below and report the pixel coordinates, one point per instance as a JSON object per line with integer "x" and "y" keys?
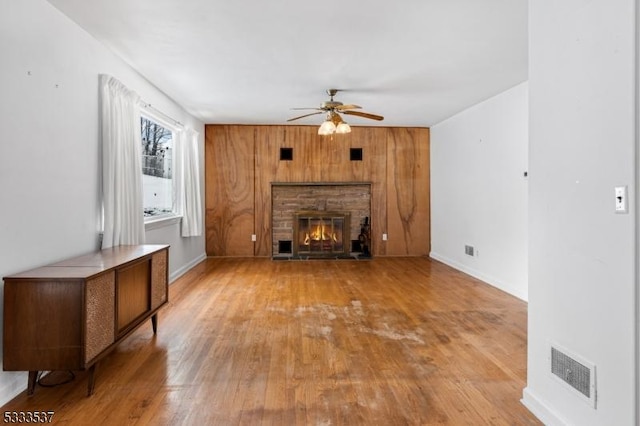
{"x": 92, "y": 376}
{"x": 154, "y": 323}
{"x": 31, "y": 384}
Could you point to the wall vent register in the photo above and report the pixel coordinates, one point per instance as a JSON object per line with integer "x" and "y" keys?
{"x": 577, "y": 374}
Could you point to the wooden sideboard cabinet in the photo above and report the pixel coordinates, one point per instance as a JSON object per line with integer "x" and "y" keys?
{"x": 68, "y": 315}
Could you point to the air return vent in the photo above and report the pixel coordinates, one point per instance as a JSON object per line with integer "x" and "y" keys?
{"x": 575, "y": 373}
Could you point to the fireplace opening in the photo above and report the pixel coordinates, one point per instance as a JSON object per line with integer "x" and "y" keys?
{"x": 321, "y": 234}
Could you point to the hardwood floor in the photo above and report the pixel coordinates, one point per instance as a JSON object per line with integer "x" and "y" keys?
{"x": 391, "y": 341}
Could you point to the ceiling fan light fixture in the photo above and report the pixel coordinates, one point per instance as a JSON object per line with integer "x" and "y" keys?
{"x": 327, "y": 128}
{"x": 343, "y": 128}
{"x": 334, "y": 122}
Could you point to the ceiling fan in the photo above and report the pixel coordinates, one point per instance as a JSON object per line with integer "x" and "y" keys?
{"x": 334, "y": 122}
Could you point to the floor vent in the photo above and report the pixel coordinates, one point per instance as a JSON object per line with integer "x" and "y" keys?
{"x": 579, "y": 375}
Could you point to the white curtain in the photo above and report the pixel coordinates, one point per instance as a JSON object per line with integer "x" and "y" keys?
{"x": 121, "y": 164}
{"x": 188, "y": 183}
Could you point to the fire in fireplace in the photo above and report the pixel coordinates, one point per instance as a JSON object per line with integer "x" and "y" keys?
{"x": 321, "y": 234}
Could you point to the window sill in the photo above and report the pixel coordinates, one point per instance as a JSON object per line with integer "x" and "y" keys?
{"x": 161, "y": 222}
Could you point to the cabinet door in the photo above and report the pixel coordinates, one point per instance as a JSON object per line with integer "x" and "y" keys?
{"x": 159, "y": 278}
{"x": 100, "y": 314}
{"x": 133, "y": 294}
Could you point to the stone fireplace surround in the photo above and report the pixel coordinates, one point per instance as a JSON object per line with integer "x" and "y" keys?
{"x": 288, "y": 198}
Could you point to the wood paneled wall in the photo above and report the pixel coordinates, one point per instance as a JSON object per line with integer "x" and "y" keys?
{"x": 242, "y": 162}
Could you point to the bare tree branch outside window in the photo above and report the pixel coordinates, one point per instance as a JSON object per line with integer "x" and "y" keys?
{"x": 157, "y": 167}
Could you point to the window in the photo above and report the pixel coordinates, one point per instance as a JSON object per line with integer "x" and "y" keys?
{"x": 157, "y": 168}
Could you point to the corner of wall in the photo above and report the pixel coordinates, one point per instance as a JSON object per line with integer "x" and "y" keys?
{"x": 510, "y": 288}
{"x": 540, "y": 409}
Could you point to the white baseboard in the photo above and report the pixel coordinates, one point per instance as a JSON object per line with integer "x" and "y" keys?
{"x": 540, "y": 409}
{"x": 12, "y": 384}
{"x": 511, "y": 289}
{"x": 180, "y": 272}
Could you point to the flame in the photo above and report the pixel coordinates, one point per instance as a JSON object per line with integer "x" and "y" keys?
{"x": 319, "y": 233}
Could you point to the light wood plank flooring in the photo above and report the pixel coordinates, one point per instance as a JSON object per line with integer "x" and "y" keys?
{"x": 390, "y": 341}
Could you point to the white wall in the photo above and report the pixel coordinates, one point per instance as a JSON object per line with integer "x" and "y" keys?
{"x": 582, "y": 255}
{"x": 479, "y": 191}
{"x": 49, "y": 148}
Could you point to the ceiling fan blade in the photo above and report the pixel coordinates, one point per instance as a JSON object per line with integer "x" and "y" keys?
{"x": 348, "y": 106}
{"x": 306, "y": 115}
{"x": 364, "y": 114}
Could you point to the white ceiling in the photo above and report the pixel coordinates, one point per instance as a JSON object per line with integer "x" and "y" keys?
{"x": 417, "y": 62}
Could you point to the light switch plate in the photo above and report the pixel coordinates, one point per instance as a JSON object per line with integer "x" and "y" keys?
{"x": 253, "y": 237}
{"x": 622, "y": 202}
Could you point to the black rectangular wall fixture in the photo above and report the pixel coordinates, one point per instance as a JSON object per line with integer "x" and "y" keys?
{"x": 284, "y": 247}
{"x": 355, "y": 154}
{"x": 286, "y": 154}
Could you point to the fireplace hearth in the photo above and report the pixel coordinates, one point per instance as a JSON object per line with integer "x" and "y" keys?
{"x": 321, "y": 234}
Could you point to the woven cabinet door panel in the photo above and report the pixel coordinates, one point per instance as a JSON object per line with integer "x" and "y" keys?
{"x": 100, "y": 314}
{"x": 159, "y": 280}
